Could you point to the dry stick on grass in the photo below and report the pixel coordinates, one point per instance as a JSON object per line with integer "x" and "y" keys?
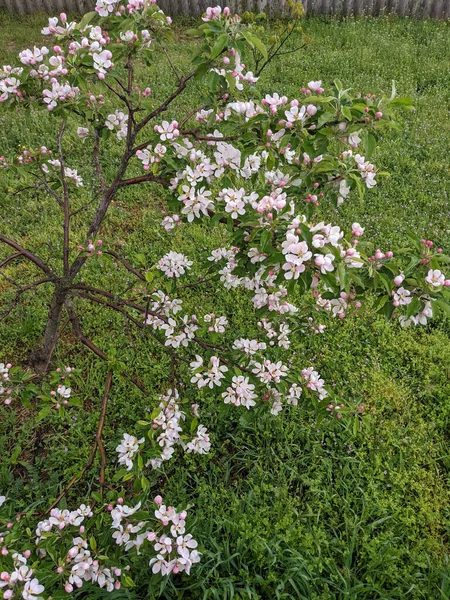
{"x": 97, "y": 444}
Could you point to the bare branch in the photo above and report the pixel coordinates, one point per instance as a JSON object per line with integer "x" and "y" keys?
{"x": 125, "y": 264}
{"x": 97, "y": 167}
{"x": 97, "y": 443}
{"x": 66, "y": 225}
{"x": 143, "y": 179}
{"x": 163, "y": 107}
{"x": 29, "y": 255}
{"x": 9, "y": 259}
{"x": 95, "y": 349}
{"x": 208, "y": 138}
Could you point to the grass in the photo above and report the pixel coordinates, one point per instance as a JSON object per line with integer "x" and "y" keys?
{"x": 286, "y": 507}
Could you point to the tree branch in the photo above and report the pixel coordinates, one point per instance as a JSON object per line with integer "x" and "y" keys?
{"x": 97, "y": 167}
{"x": 142, "y": 179}
{"x": 163, "y": 107}
{"x": 126, "y": 264}
{"x": 97, "y": 443}
{"x": 29, "y": 255}
{"x": 66, "y": 225}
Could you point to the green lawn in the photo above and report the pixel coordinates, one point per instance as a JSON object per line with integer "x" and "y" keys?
{"x": 284, "y": 507}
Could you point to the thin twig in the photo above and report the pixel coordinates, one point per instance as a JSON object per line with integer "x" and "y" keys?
{"x": 125, "y": 264}
{"x": 96, "y": 444}
{"x": 66, "y": 225}
{"x": 96, "y": 158}
{"x": 29, "y": 255}
{"x": 143, "y": 179}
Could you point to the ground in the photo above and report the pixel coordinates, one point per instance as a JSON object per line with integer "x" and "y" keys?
{"x": 284, "y": 507}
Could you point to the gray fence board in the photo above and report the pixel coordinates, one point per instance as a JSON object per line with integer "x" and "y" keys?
{"x": 412, "y": 8}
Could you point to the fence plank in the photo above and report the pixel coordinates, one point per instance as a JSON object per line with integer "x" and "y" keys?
{"x": 412, "y": 8}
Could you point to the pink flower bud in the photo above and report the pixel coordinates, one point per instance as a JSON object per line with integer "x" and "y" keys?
{"x": 226, "y": 11}
{"x": 63, "y": 17}
{"x": 117, "y": 585}
{"x": 68, "y": 588}
{"x": 82, "y": 529}
{"x": 27, "y": 553}
{"x": 379, "y": 114}
{"x": 59, "y": 570}
{"x": 158, "y": 500}
{"x": 120, "y": 500}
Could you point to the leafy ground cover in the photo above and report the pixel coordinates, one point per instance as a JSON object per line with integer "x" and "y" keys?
{"x": 286, "y": 507}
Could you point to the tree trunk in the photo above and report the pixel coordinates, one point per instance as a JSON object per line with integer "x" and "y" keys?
{"x": 40, "y": 357}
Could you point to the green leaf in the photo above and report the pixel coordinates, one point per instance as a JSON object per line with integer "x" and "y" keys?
{"x": 43, "y": 412}
{"x": 265, "y": 237}
{"x": 202, "y": 69}
{"x": 347, "y": 113}
{"x": 127, "y": 581}
{"x": 413, "y": 307}
{"x": 444, "y": 306}
{"x": 220, "y": 44}
{"x": 403, "y": 103}
{"x": 370, "y": 144}
{"x": 255, "y": 42}
{"x": 86, "y": 20}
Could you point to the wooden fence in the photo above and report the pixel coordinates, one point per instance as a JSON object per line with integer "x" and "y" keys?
{"x": 412, "y": 8}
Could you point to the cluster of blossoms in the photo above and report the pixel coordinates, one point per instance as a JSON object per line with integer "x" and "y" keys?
{"x": 174, "y": 554}
{"x": 80, "y": 565}
{"x": 174, "y": 264}
{"x": 337, "y": 307}
{"x": 261, "y": 168}
{"x": 91, "y": 248}
{"x": 170, "y": 222}
{"x": 167, "y": 432}
{"x": 118, "y": 122}
{"x": 53, "y": 65}
{"x": 71, "y": 175}
{"x": 127, "y": 450}
{"x": 151, "y": 155}
{"x": 4, "y": 378}
{"x": 315, "y": 382}
{"x": 21, "y": 580}
{"x": 64, "y": 538}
